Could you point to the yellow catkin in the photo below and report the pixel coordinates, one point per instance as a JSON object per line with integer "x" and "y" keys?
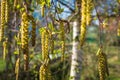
{"x": 118, "y": 31}
{"x": 43, "y": 42}
{"x": 51, "y": 42}
{"x": 86, "y": 17}
{"x": 42, "y": 11}
{"x": 15, "y": 3}
{"x": 33, "y": 31}
{"x": 102, "y": 64}
{"x": 89, "y": 11}
{"x": 62, "y": 40}
{"x": 24, "y": 39}
{"x": 5, "y": 51}
{"x": 83, "y": 22}
{"x": 17, "y": 68}
{"x": 33, "y": 37}
{"x": 0, "y": 16}
{"x": 52, "y": 46}
{"x": 2, "y": 25}
{"x": 44, "y": 72}
{"x": 46, "y": 54}
{"x": 118, "y": 1}
{"x": 6, "y": 11}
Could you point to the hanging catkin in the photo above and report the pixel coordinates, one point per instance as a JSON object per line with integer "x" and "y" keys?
{"x": 2, "y": 24}
{"x": 45, "y": 42}
{"x": 102, "y": 64}
{"x": 118, "y": 31}
{"x": 86, "y": 9}
{"x": 6, "y": 10}
{"x": 46, "y": 45}
{"x": 89, "y": 11}
{"x": 0, "y": 15}
{"x": 51, "y": 42}
{"x": 44, "y": 72}
{"x": 62, "y": 40}
{"x": 24, "y": 38}
{"x": 33, "y": 32}
{"x": 17, "y": 68}
{"x": 46, "y": 54}
{"x": 15, "y": 4}
{"x": 43, "y": 10}
{"x": 5, "y": 48}
{"x": 83, "y": 22}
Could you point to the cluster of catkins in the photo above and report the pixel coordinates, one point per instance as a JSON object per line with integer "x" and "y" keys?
{"x": 86, "y": 9}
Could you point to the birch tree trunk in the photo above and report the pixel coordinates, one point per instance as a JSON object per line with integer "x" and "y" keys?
{"x": 76, "y": 61}
{"x": 76, "y": 56}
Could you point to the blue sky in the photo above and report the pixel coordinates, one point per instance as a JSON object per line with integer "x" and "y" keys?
{"x": 63, "y": 15}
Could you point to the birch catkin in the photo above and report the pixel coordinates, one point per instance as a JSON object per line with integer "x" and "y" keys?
{"x": 5, "y": 48}
{"x": 83, "y": 22}
{"x": 45, "y": 43}
{"x": 118, "y": 31}
{"x": 51, "y": 42}
{"x": 42, "y": 10}
{"x": 89, "y": 11}
{"x": 17, "y": 68}
{"x": 6, "y": 10}
{"x": 0, "y": 15}
{"x": 24, "y": 38}
{"x": 46, "y": 54}
{"x": 33, "y": 33}
{"x": 2, "y": 24}
{"x": 62, "y": 40}
{"x": 44, "y": 72}
{"x": 102, "y": 64}
{"x": 85, "y": 18}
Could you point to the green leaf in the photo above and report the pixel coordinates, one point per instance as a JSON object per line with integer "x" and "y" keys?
{"x": 41, "y": 30}
{"x": 16, "y": 51}
{"x": 18, "y": 6}
{"x": 42, "y": 2}
{"x": 50, "y": 25}
{"x": 60, "y": 10}
{"x": 19, "y": 42}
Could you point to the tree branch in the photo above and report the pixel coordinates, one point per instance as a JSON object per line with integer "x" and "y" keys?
{"x": 66, "y": 6}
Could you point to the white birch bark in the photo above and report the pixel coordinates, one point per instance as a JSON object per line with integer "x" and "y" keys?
{"x": 76, "y": 62}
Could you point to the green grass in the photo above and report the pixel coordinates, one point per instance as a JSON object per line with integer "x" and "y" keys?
{"x": 113, "y": 77}
{"x": 2, "y": 64}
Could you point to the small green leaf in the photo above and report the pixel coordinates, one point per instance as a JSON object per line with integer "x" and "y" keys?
{"x": 16, "y": 51}
{"x": 60, "y": 10}
{"x": 41, "y": 30}
{"x": 19, "y": 43}
{"x": 50, "y": 25}
{"x": 18, "y": 6}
